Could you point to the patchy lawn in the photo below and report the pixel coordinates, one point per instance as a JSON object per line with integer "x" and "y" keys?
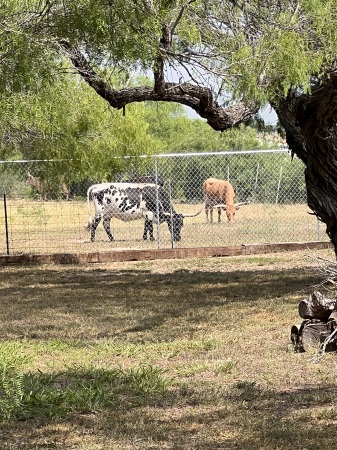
{"x": 176, "y": 354}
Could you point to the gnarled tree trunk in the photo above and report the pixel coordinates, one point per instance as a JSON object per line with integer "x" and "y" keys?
{"x": 311, "y": 131}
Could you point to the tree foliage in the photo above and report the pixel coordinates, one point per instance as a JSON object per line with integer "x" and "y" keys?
{"x": 180, "y": 134}
{"x": 66, "y": 122}
{"x": 234, "y": 51}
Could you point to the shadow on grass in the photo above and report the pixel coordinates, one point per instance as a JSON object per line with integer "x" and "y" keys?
{"x": 38, "y": 395}
{"x": 245, "y": 418}
{"x": 137, "y": 408}
{"x": 74, "y": 304}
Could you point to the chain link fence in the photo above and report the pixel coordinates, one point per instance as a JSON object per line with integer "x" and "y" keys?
{"x": 41, "y": 213}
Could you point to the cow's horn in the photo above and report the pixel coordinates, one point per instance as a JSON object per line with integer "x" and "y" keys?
{"x": 237, "y": 205}
{"x": 194, "y": 215}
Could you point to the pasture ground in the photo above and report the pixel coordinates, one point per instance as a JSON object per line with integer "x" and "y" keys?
{"x": 168, "y": 354}
{"x": 59, "y": 227}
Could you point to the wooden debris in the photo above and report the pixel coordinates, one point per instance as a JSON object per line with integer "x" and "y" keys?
{"x": 316, "y": 306}
{"x": 311, "y": 334}
{"x": 319, "y": 329}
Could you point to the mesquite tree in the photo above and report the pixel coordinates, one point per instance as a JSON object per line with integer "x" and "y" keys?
{"x": 224, "y": 59}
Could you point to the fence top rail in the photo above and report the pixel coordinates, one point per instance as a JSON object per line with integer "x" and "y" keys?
{"x": 165, "y": 155}
{"x": 227, "y": 153}
{"x": 20, "y": 161}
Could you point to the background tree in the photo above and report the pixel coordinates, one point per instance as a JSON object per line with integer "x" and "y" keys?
{"x": 169, "y": 123}
{"x": 223, "y": 59}
{"x": 67, "y": 122}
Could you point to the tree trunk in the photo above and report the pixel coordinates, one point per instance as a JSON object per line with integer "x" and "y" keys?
{"x": 310, "y": 124}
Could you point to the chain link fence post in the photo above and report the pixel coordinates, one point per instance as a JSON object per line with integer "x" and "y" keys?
{"x": 157, "y": 201}
{"x": 255, "y": 184}
{"x": 278, "y": 186}
{"x": 6, "y": 222}
{"x": 171, "y": 212}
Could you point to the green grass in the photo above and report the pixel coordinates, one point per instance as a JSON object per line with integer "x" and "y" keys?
{"x": 177, "y": 354}
{"x": 43, "y": 396}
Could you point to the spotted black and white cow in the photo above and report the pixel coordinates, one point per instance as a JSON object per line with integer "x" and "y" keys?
{"x": 132, "y": 201}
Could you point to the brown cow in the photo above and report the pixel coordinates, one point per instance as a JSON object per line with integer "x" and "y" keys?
{"x": 220, "y": 194}
{"x": 42, "y": 188}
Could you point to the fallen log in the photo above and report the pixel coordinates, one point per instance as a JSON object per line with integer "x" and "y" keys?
{"x": 316, "y": 306}
{"x": 319, "y": 329}
{"x": 312, "y": 334}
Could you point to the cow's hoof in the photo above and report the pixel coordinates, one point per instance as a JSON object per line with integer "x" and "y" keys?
{"x": 152, "y": 238}
{"x": 145, "y": 238}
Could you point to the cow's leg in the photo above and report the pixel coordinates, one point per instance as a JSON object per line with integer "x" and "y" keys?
{"x": 211, "y": 214}
{"x": 145, "y": 230}
{"x": 206, "y": 211}
{"x": 106, "y": 225}
{"x": 93, "y": 227}
{"x": 148, "y": 227}
{"x": 219, "y": 215}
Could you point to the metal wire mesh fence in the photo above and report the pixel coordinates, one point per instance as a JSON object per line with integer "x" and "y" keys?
{"x": 40, "y": 213}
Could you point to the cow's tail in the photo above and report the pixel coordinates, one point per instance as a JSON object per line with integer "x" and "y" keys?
{"x": 88, "y": 227}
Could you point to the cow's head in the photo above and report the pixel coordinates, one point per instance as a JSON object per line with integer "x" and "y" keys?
{"x": 176, "y": 222}
{"x": 231, "y": 210}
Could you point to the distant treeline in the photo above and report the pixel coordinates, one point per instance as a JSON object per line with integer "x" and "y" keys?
{"x": 258, "y": 177}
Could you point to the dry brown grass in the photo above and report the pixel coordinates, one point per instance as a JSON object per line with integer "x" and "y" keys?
{"x": 219, "y": 327}
{"x": 59, "y": 226}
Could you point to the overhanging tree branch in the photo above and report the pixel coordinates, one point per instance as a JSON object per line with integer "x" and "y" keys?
{"x": 200, "y": 99}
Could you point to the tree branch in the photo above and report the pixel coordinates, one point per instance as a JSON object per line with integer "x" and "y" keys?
{"x": 181, "y": 12}
{"x": 200, "y": 99}
{"x": 165, "y": 45}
